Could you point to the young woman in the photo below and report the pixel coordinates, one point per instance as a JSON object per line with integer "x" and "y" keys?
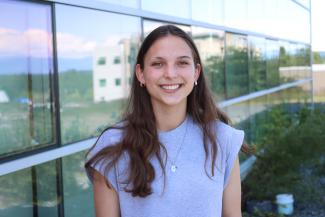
{"x": 173, "y": 154}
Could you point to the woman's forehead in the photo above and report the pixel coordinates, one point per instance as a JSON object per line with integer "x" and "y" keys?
{"x": 169, "y": 47}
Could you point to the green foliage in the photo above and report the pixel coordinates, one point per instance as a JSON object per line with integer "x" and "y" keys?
{"x": 76, "y": 86}
{"x": 76, "y": 130}
{"x": 237, "y": 71}
{"x": 258, "y": 213}
{"x": 214, "y": 69}
{"x": 291, "y": 146}
{"x": 257, "y": 67}
{"x": 317, "y": 59}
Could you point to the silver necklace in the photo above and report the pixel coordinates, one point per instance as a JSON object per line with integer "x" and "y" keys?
{"x": 173, "y": 167}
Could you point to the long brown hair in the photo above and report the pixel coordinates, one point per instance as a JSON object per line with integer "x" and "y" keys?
{"x": 140, "y": 137}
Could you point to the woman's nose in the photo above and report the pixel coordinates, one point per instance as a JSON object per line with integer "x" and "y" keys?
{"x": 170, "y": 71}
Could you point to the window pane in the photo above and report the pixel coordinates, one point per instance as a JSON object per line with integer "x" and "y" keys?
{"x": 127, "y": 3}
{"x": 25, "y": 73}
{"x": 236, "y": 65}
{"x": 303, "y": 60}
{"x": 258, "y": 108}
{"x": 257, "y": 63}
{"x": 30, "y": 192}
{"x": 180, "y": 8}
{"x": 285, "y": 61}
{"x": 239, "y": 114}
{"x": 305, "y": 3}
{"x": 78, "y": 194}
{"x": 319, "y": 83}
{"x": 236, "y": 14}
{"x": 149, "y": 26}
{"x": 91, "y": 57}
{"x": 256, "y": 16}
{"x": 210, "y": 11}
{"x": 272, "y": 63}
{"x": 210, "y": 44}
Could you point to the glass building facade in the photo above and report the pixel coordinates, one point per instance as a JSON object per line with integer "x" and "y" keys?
{"x": 66, "y": 70}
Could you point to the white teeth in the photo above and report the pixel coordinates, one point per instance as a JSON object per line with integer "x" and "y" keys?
{"x": 170, "y": 87}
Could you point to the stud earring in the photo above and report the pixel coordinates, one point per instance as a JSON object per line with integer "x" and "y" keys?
{"x": 195, "y": 83}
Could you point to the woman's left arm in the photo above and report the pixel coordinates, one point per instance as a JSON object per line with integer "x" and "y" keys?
{"x": 231, "y": 202}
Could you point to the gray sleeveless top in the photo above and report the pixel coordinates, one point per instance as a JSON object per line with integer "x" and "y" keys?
{"x": 188, "y": 192}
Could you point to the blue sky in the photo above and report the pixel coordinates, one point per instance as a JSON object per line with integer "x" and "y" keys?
{"x": 318, "y": 27}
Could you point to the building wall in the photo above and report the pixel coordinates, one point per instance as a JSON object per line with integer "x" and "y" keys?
{"x": 66, "y": 67}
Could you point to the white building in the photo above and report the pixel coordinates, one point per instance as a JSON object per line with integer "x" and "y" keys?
{"x": 111, "y": 75}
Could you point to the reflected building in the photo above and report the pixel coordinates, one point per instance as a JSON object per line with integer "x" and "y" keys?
{"x": 111, "y": 72}
{"x": 67, "y": 66}
{"x": 319, "y": 82}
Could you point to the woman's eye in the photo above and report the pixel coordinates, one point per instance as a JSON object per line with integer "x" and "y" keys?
{"x": 157, "y": 64}
{"x": 183, "y": 63}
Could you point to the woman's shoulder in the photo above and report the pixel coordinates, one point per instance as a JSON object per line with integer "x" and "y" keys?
{"x": 109, "y": 137}
{"x": 228, "y": 135}
{"x": 112, "y": 133}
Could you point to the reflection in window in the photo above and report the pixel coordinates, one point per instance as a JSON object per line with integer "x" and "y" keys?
{"x": 303, "y": 60}
{"x": 30, "y": 192}
{"x": 235, "y": 14}
{"x": 127, "y": 3}
{"x": 210, "y": 44}
{"x": 101, "y": 61}
{"x": 117, "y": 82}
{"x": 78, "y": 194}
{"x": 257, "y": 64}
{"x": 81, "y": 88}
{"x": 305, "y": 96}
{"x": 210, "y": 11}
{"x": 287, "y": 60}
{"x": 258, "y": 118}
{"x": 239, "y": 114}
{"x": 117, "y": 60}
{"x": 305, "y": 3}
{"x": 236, "y": 65}
{"x": 149, "y": 25}
{"x": 272, "y": 63}
{"x": 180, "y": 8}
{"x": 25, "y": 73}
{"x": 102, "y": 82}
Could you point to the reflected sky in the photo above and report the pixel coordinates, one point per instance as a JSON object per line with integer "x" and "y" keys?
{"x": 23, "y": 29}
{"x": 25, "y": 37}
{"x": 94, "y": 28}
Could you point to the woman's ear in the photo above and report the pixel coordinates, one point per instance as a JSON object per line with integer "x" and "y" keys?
{"x": 197, "y": 71}
{"x": 139, "y": 74}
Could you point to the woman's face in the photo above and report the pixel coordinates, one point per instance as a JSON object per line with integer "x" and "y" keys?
{"x": 169, "y": 72}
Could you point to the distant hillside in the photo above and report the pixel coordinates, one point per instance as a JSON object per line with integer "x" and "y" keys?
{"x": 318, "y": 57}
{"x": 18, "y": 65}
{"x": 322, "y": 54}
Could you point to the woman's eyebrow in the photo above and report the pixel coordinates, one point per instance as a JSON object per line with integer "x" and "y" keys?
{"x": 157, "y": 58}
{"x": 186, "y": 57}
{"x": 161, "y": 58}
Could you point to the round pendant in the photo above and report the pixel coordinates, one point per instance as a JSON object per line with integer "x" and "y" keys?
{"x": 174, "y": 168}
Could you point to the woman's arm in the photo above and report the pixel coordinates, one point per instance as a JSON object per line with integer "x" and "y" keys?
{"x": 106, "y": 200}
{"x": 231, "y": 202}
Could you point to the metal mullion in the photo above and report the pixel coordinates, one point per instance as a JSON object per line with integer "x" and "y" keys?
{"x": 56, "y": 97}
{"x": 34, "y": 190}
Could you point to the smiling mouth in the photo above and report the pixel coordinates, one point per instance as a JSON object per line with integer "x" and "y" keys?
{"x": 171, "y": 86}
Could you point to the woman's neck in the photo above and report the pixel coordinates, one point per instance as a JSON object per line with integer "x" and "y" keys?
{"x": 169, "y": 118}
